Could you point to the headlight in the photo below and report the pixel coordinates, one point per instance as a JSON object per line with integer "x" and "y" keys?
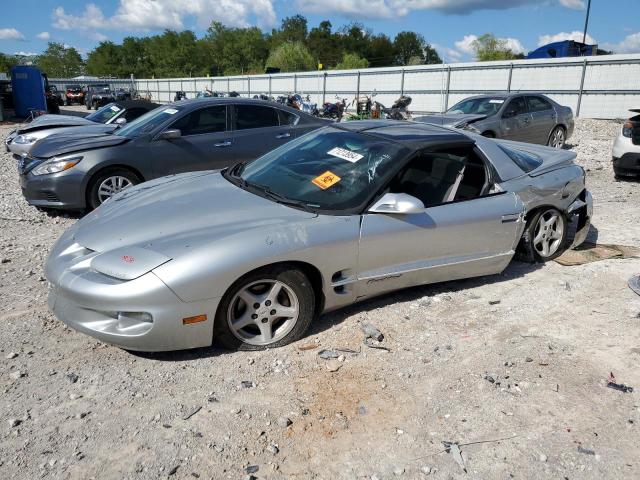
{"x": 56, "y": 165}
{"x": 24, "y": 140}
{"x": 627, "y": 128}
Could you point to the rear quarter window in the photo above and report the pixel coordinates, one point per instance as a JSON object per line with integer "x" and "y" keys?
{"x": 527, "y": 161}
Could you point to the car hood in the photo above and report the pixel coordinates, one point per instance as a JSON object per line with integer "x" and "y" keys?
{"x": 179, "y": 213}
{"x": 52, "y": 121}
{"x": 62, "y": 144}
{"x": 450, "y": 119}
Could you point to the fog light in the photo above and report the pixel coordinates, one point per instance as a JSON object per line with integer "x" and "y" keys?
{"x": 134, "y": 317}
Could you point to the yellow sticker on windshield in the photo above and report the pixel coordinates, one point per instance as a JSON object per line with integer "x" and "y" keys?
{"x": 326, "y": 180}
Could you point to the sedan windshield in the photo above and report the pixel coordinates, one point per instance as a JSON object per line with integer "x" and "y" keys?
{"x": 104, "y": 114}
{"x": 329, "y": 169}
{"x": 478, "y": 106}
{"x": 147, "y": 122}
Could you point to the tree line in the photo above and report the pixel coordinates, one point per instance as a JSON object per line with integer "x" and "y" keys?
{"x": 227, "y": 50}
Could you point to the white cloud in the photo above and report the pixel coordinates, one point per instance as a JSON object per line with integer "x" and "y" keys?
{"x": 630, "y": 44}
{"x": 573, "y": 4}
{"x": 98, "y": 36}
{"x": 167, "y": 14}
{"x": 576, "y": 36}
{"x": 44, "y": 36}
{"x": 10, "y": 34}
{"x": 401, "y": 8}
{"x": 449, "y": 55}
{"x": 25, "y": 54}
{"x": 465, "y": 46}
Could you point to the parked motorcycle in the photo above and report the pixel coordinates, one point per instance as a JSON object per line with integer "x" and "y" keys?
{"x": 398, "y": 110}
{"x": 180, "y": 95}
{"x": 364, "y": 108}
{"x": 334, "y": 110}
{"x": 263, "y": 96}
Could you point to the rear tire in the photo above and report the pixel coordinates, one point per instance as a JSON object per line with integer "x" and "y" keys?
{"x": 107, "y": 183}
{"x": 547, "y": 231}
{"x": 268, "y": 308}
{"x": 557, "y": 138}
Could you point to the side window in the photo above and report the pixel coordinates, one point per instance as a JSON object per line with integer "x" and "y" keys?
{"x": 517, "y": 106}
{"x": 441, "y": 177}
{"x": 255, "y": 116}
{"x": 539, "y": 104}
{"x": 206, "y": 120}
{"x": 133, "y": 113}
{"x": 288, "y": 118}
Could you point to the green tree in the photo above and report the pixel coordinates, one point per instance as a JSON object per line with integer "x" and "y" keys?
{"x": 60, "y": 61}
{"x": 232, "y": 51}
{"x": 487, "y": 47}
{"x": 292, "y": 29}
{"x": 291, "y": 57}
{"x": 105, "y": 59}
{"x": 7, "y": 62}
{"x": 381, "y": 51}
{"x": 174, "y": 54}
{"x": 324, "y": 45}
{"x": 352, "y": 61}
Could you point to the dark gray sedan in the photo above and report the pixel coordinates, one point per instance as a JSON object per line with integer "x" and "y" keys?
{"x": 82, "y": 171}
{"x": 531, "y": 118}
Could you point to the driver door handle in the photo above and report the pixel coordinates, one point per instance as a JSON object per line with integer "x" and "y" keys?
{"x": 283, "y": 135}
{"x": 226, "y": 143}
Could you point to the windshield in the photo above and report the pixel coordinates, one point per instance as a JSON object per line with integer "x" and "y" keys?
{"x": 104, "y": 114}
{"x": 329, "y": 169}
{"x": 147, "y": 122}
{"x": 478, "y": 106}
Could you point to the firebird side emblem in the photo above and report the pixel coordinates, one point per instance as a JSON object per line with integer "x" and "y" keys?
{"x": 128, "y": 258}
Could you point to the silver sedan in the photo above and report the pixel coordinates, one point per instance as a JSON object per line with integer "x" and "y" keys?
{"x": 532, "y": 118}
{"x": 251, "y": 255}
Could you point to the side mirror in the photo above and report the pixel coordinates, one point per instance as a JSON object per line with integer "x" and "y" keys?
{"x": 121, "y": 121}
{"x": 398, "y": 203}
{"x": 171, "y": 134}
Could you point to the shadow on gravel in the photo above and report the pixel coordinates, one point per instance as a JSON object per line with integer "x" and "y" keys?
{"x": 515, "y": 270}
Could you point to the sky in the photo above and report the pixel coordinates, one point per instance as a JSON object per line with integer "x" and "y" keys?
{"x": 450, "y": 25}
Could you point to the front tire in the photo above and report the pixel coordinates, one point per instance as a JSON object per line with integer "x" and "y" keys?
{"x": 548, "y": 230}
{"x": 268, "y": 308}
{"x": 108, "y": 183}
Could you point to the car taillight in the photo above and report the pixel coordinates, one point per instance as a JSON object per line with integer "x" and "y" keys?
{"x": 627, "y": 128}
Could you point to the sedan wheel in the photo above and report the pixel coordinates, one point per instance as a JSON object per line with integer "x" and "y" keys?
{"x": 549, "y": 234}
{"x": 557, "y": 138}
{"x": 112, "y": 185}
{"x": 108, "y": 183}
{"x": 268, "y": 308}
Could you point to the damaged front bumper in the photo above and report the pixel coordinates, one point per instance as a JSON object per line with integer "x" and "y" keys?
{"x": 582, "y": 207}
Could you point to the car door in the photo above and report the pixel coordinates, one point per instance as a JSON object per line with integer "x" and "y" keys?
{"x": 257, "y": 130}
{"x": 515, "y": 123}
{"x": 543, "y": 118}
{"x": 205, "y": 143}
{"x": 449, "y": 240}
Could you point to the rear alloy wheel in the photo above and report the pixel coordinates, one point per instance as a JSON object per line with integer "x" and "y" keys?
{"x": 548, "y": 233}
{"x": 107, "y": 184}
{"x": 557, "y": 138}
{"x": 265, "y": 309}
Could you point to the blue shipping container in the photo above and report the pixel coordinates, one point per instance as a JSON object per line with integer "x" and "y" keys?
{"x": 28, "y": 90}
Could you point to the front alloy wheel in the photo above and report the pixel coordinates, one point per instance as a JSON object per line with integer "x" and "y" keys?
{"x": 549, "y": 234}
{"x": 268, "y": 308}
{"x": 108, "y": 183}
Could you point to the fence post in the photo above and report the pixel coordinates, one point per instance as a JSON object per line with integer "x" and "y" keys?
{"x": 584, "y": 70}
{"x": 510, "y": 75}
{"x": 358, "y": 88}
{"x": 402, "y": 83}
{"x": 446, "y": 96}
{"x": 249, "y": 86}
{"x": 158, "y": 89}
{"x": 324, "y": 88}
{"x": 228, "y": 85}
{"x": 269, "y": 86}
{"x": 295, "y": 83}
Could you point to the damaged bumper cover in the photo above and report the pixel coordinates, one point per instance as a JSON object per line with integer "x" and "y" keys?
{"x": 582, "y": 207}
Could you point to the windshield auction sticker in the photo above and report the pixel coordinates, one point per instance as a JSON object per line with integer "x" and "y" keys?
{"x": 170, "y": 111}
{"x": 326, "y": 180}
{"x": 345, "y": 154}
{"x": 496, "y": 100}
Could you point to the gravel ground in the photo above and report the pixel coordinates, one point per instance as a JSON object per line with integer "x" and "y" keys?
{"x": 512, "y": 367}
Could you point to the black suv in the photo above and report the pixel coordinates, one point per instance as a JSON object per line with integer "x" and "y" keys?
{"x": 98, "y": 96}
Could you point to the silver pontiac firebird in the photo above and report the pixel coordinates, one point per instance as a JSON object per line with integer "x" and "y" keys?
{"x": 251, "y": 255}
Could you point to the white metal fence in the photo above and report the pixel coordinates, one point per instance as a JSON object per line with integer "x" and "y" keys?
{"x": 594, "y": 87}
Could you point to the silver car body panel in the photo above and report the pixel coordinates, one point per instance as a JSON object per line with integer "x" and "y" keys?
{"x": 214, "y": 232}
